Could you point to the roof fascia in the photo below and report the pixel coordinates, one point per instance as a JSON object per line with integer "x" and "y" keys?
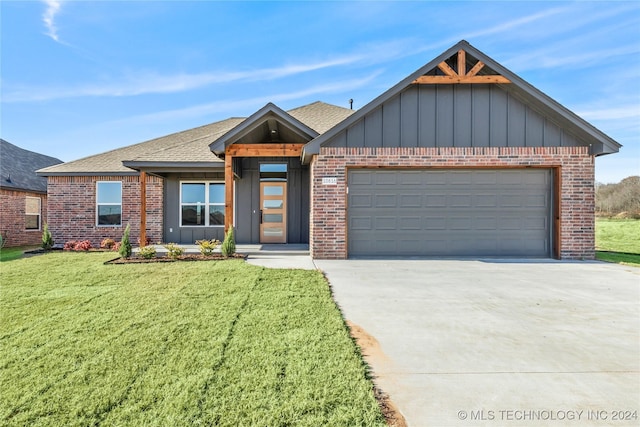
{"x": 218, "y": 146}
{"x": 172, "y": 166}
{"x": 94, "y": 173}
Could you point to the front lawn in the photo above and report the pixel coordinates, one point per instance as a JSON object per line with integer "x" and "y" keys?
{"x": 190, "y": 343}
{"x": 618, "y": 240}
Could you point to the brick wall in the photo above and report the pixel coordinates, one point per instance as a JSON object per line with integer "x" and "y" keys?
{"x": 12, "y": 218}
{"x": 328, "y": 234}
{"x": 72, "y": 208}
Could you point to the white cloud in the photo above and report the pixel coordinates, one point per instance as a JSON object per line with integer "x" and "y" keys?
{"x": 141, "y": 83}
{"x": 53, "y": 7}
{"x": 247, "y": 104}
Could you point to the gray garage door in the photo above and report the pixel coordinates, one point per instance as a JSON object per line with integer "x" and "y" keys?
{"x": 466, "y": 212}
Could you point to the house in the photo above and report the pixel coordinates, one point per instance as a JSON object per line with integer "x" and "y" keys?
{"x": 23, "y": 195}
{"x": 461, "y": 158}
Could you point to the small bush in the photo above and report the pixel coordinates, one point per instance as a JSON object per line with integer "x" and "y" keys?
{"x": 3, "y": 241}
{"x": 77, "y": 245}
{"x": 47, "y": 240}
{"x": 108, "y": 244}
{"x": 228, "y": 247}
{"x": 207, "y": 246}
{"x": 125, "y": 245}
{"x": 173, "y": 250}
{"x": 147, "y": 252}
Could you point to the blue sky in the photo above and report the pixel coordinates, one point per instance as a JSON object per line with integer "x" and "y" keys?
{"x": 83, "y": 77}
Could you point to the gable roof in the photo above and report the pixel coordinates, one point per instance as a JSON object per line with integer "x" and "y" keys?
{"x": 18, "y": 168}
{"x": 584, "y": 131}
{"x": 189, "y": 148}
{"x": 267, "y": 121}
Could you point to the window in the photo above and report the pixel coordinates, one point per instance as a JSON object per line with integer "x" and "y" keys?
{"x": 201, "y": 204}
{"x": 32, "y": 213}
{"x": 109, "y": 203}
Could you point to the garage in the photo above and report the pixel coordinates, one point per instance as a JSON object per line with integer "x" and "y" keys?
{"x": 450, "y": 212}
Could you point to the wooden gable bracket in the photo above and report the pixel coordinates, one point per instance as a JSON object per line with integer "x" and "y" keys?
{"x": 461, "y": 76}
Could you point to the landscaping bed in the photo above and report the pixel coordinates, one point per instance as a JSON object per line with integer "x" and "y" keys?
{"x": 188, "y": 257}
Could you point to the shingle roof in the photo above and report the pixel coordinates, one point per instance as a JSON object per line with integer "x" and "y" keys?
{"x": 18, "y": 168}
{"x": 189, "y": 146}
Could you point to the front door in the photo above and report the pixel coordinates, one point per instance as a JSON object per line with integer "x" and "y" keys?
{"x": 273, "y": 212}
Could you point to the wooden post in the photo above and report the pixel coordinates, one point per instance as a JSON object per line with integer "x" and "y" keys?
{"x": 228, "y": 192}
{"x": 143, "y": 209}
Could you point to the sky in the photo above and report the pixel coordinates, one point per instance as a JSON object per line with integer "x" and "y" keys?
{"x": 79, "y": 78}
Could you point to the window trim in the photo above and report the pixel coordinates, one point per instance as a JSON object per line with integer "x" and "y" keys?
{"x": 39, "y": 214}
{"x": 207, "y": 203}
{"x": 108, "y": 204}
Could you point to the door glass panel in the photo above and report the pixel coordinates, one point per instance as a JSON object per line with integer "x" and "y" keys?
{"x": 272, "y": 218}
{"x": 273, "y": 172}
{"x": 273, "y": 231}
{"x": 272, "y": 204}
{"x": 273, "y": 191}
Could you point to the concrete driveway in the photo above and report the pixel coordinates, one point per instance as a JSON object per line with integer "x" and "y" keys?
{"x": 499, "y": 343}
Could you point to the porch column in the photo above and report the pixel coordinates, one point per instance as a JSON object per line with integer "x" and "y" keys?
{"x": 228, "y": 192}
{"x": 143, "y": 209}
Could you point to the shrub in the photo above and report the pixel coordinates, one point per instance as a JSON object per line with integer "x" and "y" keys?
{"x": 47, "y": 240}
{"x": 107, "y": 243}
{"x": 84, "y": 245}
{"x": 207, "y": 246}
{"x": 125, "y": 245}
{"x": 77, "y": 245}
{"x": 3, "y": 241}
{"x": 228, "y": 247}
{"x": 173, "y": 250}
{"x": 147, "y": 252}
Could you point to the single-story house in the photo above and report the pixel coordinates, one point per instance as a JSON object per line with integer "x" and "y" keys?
{"x": 23, "y": 194}
{"x": 460, "y": 158}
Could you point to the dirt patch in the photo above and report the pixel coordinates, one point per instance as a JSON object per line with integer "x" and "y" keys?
{"x": 370, "y": 348}
{"x": 190, "y": 257}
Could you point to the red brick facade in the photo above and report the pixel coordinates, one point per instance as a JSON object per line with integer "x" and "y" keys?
{"x": 72, "y": 208}
{"x": 12, "y": 218}
{"x": 575, "y": 236}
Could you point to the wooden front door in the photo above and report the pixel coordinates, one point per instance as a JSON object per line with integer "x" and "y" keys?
{"x": 273, "y": 212}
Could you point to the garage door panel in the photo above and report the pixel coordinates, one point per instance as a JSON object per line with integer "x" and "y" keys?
{"x": 449, "y": 212}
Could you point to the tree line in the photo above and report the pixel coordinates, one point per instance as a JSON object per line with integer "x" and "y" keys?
{"x": 619, "y": 200}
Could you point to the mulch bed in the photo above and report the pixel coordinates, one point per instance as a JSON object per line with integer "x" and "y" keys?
{"x": 189, "y": 257}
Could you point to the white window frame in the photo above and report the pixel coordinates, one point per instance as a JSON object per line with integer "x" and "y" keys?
{"x": 33, "y": 214}
{"x": 108, "y": 204}
{"x": 207, "y": 203}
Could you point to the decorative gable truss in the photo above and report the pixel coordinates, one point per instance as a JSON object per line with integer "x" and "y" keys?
{"x": 460, "y": 69}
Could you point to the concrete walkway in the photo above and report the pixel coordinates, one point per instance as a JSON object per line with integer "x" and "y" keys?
{"x": 499, "y": 343}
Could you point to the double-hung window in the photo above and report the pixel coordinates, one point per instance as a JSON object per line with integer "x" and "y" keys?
{"x": 201, "y": 204}
{"x": 32, "y": 213}
{"x": 109, "y": 203}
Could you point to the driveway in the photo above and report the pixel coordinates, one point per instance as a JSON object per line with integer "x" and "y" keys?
{"x": 499, "y": 343}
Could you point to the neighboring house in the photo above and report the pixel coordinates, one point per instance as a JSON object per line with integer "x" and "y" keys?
{"x": 461, "y": 158}
{"x": 23, "y": 194}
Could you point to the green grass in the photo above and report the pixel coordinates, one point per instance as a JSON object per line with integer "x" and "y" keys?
{"x": 9, "y": 254}
{"x": 618, "y": 240}
{"x": 188, "y": 343}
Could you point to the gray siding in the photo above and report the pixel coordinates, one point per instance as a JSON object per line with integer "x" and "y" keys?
{"x": 454, "y": 116}
{"x": 173, "y": 232}
{"x": 248, "y": 200}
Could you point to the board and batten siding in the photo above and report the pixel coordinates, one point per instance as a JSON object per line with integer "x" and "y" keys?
{"x": 247, "y": 221}
{"x": 453, "y": 116}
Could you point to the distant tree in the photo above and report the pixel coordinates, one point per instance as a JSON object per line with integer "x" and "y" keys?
{"x": 622, "y": 198}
